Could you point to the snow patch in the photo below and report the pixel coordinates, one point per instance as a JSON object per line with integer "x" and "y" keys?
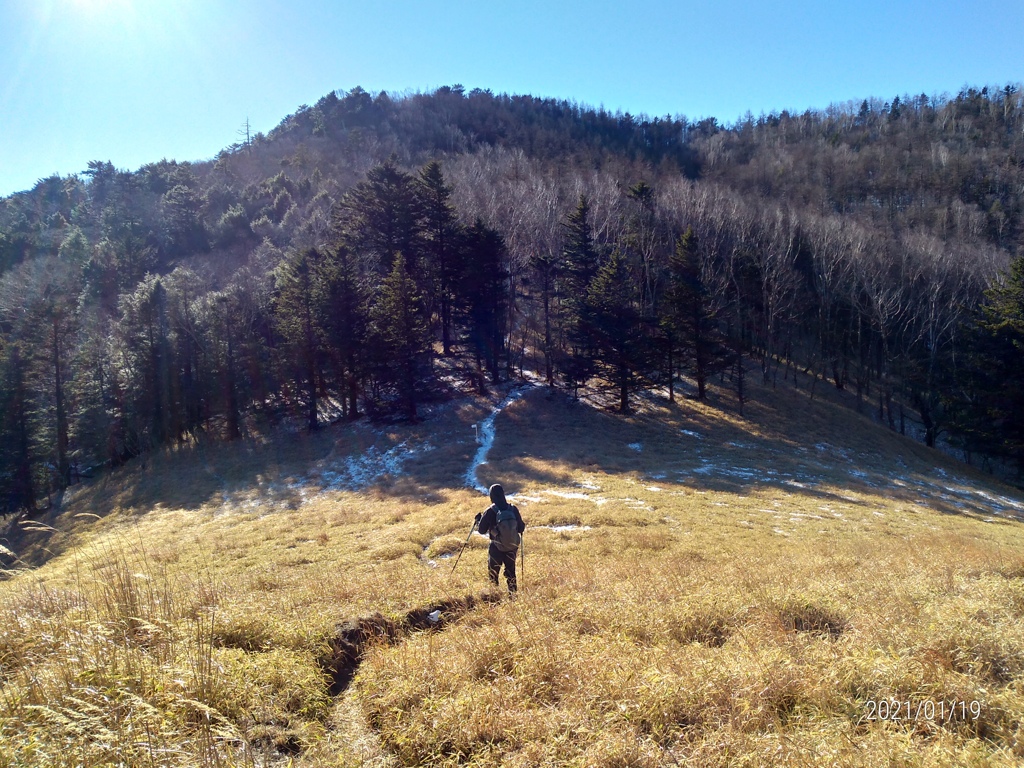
{"x": 599, "y": 500}
{"x": 636, "y": 447}
{"x": 1000, "y": 501}
{"x": 567, "y": 494}
{"x": 486, "y": 437}
{"x": 357, "y": 472}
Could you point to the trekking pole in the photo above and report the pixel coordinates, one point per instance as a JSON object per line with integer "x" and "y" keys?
{"x": 522, "y": 558}
{"x": 471, "y": 529}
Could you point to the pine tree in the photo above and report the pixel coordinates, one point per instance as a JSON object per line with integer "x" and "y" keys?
{"x": 399, "y": 338}
{"x": 580, "y": 264}
{"x": 380, "y": 218}
{"x": 545, "y": 267}
{"x": 299, "y": 313}
{"x": 689, "y": 318}
{"x": 43, "y": 319}
{"x": 149, "y": 367}
{"x": 346, "y": 327}
{"x": 230, "y": 371}
{"x": 579, "y": 253}
{"x": 484, "y": 298}
{"x": 17, "y": 490}
{"x": 441, "y": 231}
{"x": 616, "y": 328}
{"x": 995, "y": 418}
{"x": 96, "y": 427}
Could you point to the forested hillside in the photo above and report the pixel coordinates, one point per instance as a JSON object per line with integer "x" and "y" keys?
{"x": 373, "y": 252}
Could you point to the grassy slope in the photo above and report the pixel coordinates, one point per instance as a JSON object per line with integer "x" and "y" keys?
{"x": 736, "y": 591}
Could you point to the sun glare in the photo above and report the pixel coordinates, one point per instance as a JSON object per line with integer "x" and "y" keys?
{"x": 100, "y": 6}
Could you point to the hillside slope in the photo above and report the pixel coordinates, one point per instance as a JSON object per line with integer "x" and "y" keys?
{"x": 699, "y": 588}
{"x": 880, "y": 246}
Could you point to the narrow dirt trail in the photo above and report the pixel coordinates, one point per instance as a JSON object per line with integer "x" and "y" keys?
{"x": 351, "y": 638}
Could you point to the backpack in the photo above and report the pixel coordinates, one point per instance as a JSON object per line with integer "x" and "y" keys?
{"x": 506, "y": 529}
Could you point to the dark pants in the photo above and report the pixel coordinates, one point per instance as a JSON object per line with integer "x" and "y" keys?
{"x": 495, "y": 559}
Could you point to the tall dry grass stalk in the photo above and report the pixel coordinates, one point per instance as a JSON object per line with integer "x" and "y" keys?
{"x": 700, "y": 590}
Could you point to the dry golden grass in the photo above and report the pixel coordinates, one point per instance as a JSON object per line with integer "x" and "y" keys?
{"x": 700, "y": 589}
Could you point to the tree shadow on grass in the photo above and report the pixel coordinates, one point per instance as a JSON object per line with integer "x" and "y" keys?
{"x": 542, "y": 438}
{"x": 418, "y": 462}
{"x": 187, "y": 477}
{"x": 709, "y": 449}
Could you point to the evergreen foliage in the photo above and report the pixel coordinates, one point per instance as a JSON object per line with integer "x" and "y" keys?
{"x": 854, "y": 244}
{"x": 17, "y": 486}
{"x": 485, "y": 305}
{"x": 300, "y": 309}
{"x": 441, "y": 230}
{"x": 399, "y": 342}
{"x": 617, "y": 329}
{"x": 689, "y": 318}
{"x": 579, "y": 267}
{"x": 994, "y": 412}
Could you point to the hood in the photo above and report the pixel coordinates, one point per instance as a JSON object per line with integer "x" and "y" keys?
{"x": 497, "y": 494}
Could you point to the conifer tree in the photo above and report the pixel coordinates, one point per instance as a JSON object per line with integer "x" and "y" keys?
{"x": 149, "y": 367}
{"x": 346, "y": 327}
{"x": 484, "y": 292}
{"x": 440, "y": 246}
{"x": 230, "y": 372}
{"x": 96, "y": 427}
{"x": 39, "y": 311}
{"x": 689, "y": 318}
{"x": 399, "y": 339}
{"x": 198, "y": 330}
{"x": 299, "y": 312}
{"x": 545, "y": 267}
{"x": 17, "y": 490}
{"x": 380, "y": 218}
{"x": 995, "y": 418}
{"x": 579, "y": 265}
{"x": 617, "y": 331}
{"x": 579, "y": 253}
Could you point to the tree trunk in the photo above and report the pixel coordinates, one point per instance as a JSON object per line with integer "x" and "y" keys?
{"x": 549, "y": 371}
{"x": 63, "y": 466}
{"x": 623, "y": 389}
{"x": 671, "y": 374}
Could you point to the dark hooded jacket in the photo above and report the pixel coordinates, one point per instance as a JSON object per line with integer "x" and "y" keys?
{"x": 490, "y": 518}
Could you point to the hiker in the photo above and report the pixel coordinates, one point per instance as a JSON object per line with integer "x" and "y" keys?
{"x": 505, "y": 526}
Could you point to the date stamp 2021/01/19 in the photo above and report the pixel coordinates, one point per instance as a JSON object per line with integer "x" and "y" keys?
{"x": 939, "y": 711}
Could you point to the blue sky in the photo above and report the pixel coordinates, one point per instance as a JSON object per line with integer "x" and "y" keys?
{"x": 133, "y": 81}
